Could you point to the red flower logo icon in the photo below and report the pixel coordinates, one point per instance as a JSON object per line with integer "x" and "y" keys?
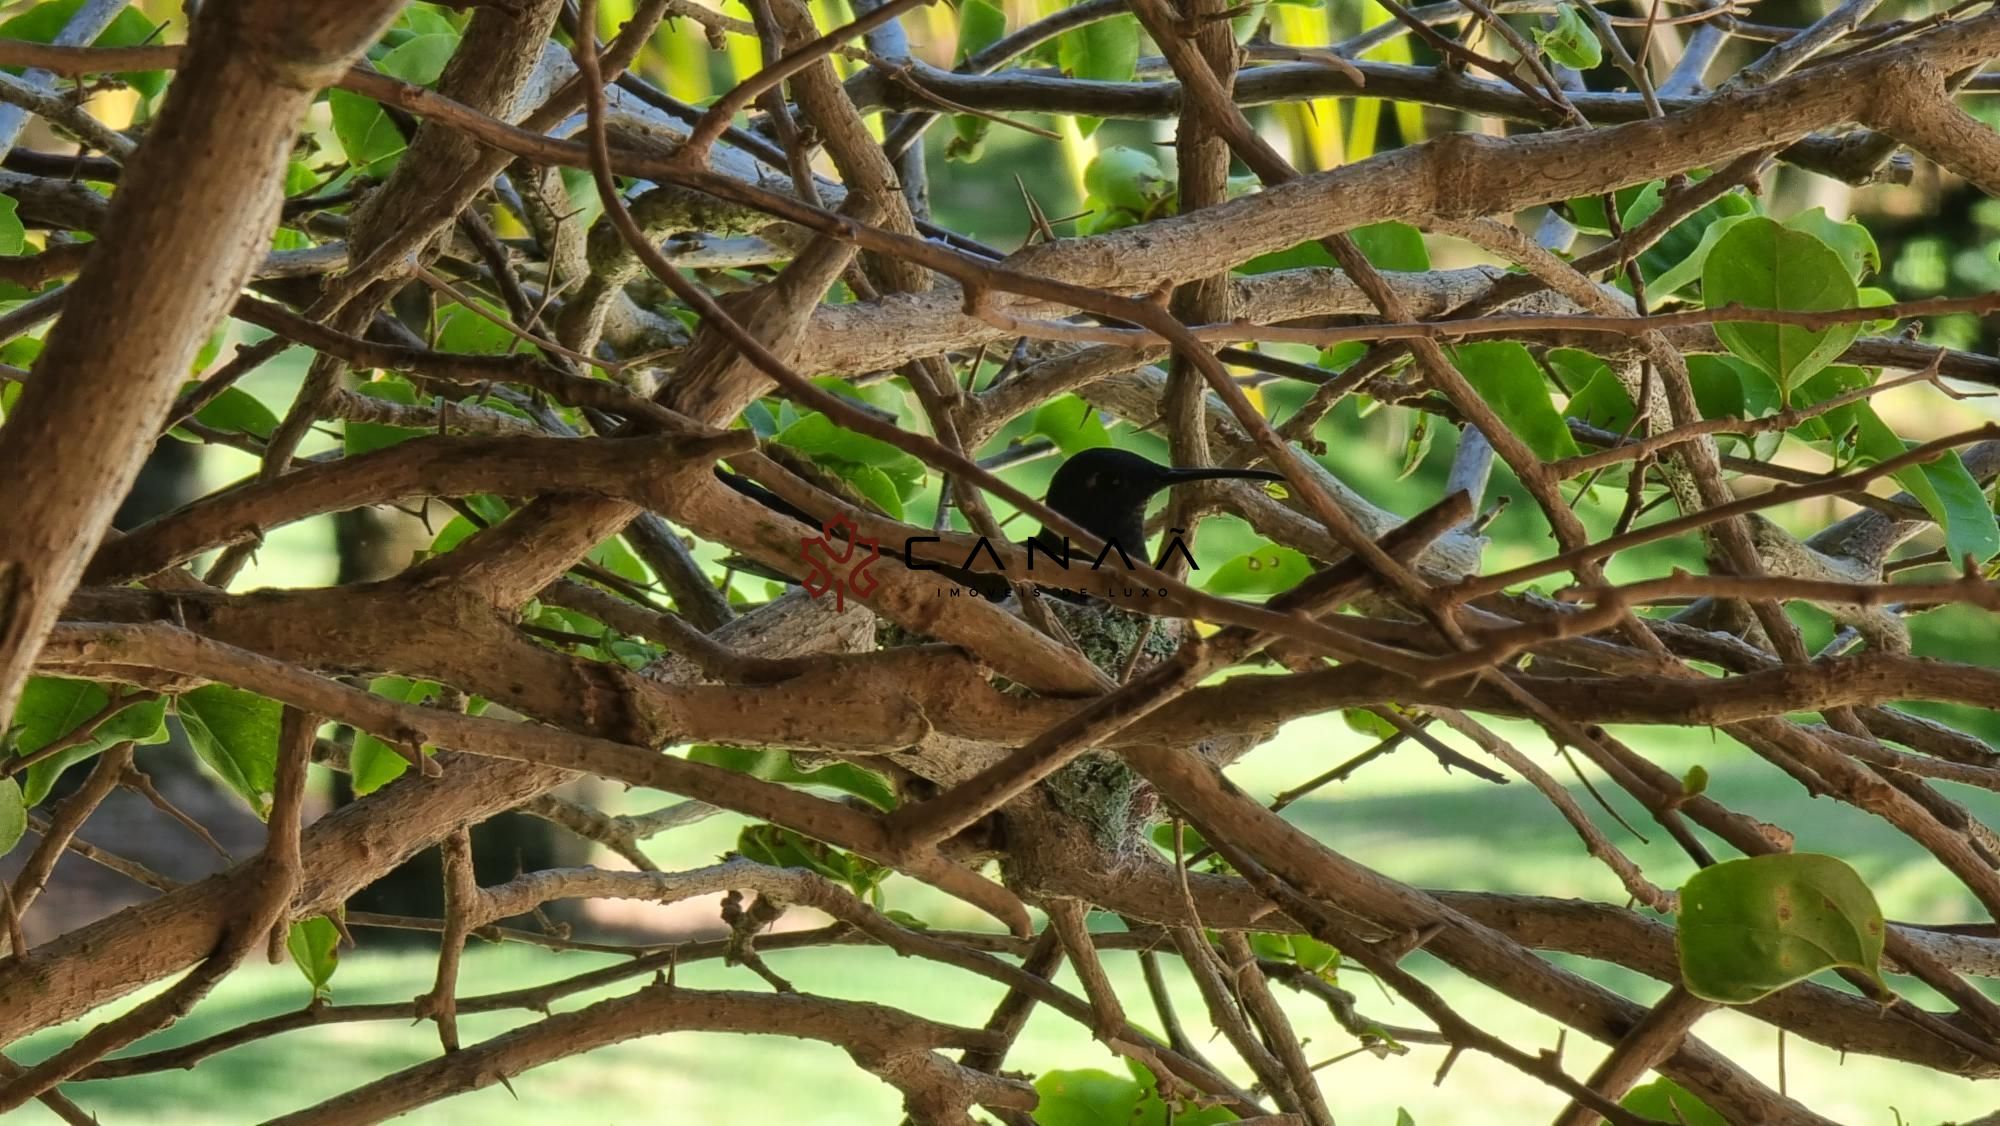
{"x": 838, "y": 564}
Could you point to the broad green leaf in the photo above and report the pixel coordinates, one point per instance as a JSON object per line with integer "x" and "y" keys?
{"x": 1392, "y": 246}
{"x": 614, "y": 556}
{"x": 980, "y": 25}
{"x": 1388, "y": 246}
{"x": 1125, "y": 177}
{"x": 783, "y": 848}
{"x": 968, "y": 140}
{"x": 874, "y": 484}
{"x": 1072, "y": 424}
{"x": 1103, "y": 51}
{"x": 1600, "y": 398}
{"x": 13, "y": 815}
{"x": 1945, "y": 488}
{"x": 1846, "y": 238}
{"x": 236, "y": 734}
{"x": 462, "y": 330}
{"x": 1403, "y": 1118}
{"x": 1365, "y": 722}
{"x": 314, "y": 944}
{"x": 1191, "y": 838}
{"x": 51, "y": 708}
{"x": 1086, "y": 1098}
{"x": 778, "y": 766}
{"x": 819, "y": 436}
{"x": 371, "y": 141}
{"x": 1679, "y": 244}
{"x": 420, "y": 59}
{"x": 1762, "y": 265}
{"x": 1667, "y": 1101}
{"x": 1512, "y": 383}
{"x": 1724, "y": 387}
{"x": 13, "y": 236}
{"x": 1750, "y": 927}
{"x": 1090, "y": 1097}
{"x": 41, "y": 22}
{"x": 1265, "y": 570}
{"x": 361, "y": 437}
{"x": 235, "y": 410}
{"x": 426, "y": 19}
{"x": 492, "y": 509}
{"x": 371, "y": 763}
{"x": 1634, "y": 203}
{"x": 1688, "y": 270}
{"x": 1571, "y": 42}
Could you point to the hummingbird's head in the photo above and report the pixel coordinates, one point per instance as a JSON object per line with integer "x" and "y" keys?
{"x": 1105, "y": 490}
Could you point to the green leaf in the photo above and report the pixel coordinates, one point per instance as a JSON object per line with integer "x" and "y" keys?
{"x": 876, "y": 485}
{"x": 13, "y": 815}
{"x": 237, "y": 411}
{"x": 1090, "y": 1097}
{"x": 1072, "y": 424}
{"x": 463, "y": 330}
{"x": 1600, "y": 398}
{"x": 1945, "y": 488}
{"x": 819, "y": 436}
{"x": 1364, "y": 722}
{"x": 968, "y": 140}
{"x": 420, "y": 59}
{"x": 314, "y": 944}
{"x": 783, "y": 848}
{"x": 778, "y": 766}
{"x": 1104, "y": 51}
{"x": 1417, "y": 446}
{"x": 1403, "y": 1118}
{"x": 1751, "y": 927}
{"x": 614, "y": 556}
{"x": 43, "y": 21}
{"x": 1125, "y": 177}
{"x": 372, "y": 763}
{"x": 13, "y": 236}
{"x": 51, "y": 708}
{"x": 1846, "y": 238}
{"x": 362, "y": 437}
{"x": 366, "y": 135}
{"x": 1392, "y": 246}
{"x": 1571, "y": 42}
{"x": 980, "y": 25}
{"x": 1634, "y": 203}
{"x": 426, "y": 19}
{"x": 1695, "y": 782}
{"x": 1726, "y": 387}
{"x": 1191, "y": 838}
{"x": 1510, "y": 381}
{"x": 236, "y": 734}
{"x": 1688, "y": 269}
{"x": 1265, "y": 570}
{"x": 1760, "y": 264}
{"x": 1667, "y": 1101}
{"x": 1674, "y": 262}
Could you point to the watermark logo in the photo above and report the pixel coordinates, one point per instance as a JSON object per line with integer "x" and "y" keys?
{"x": 836, "y": 561}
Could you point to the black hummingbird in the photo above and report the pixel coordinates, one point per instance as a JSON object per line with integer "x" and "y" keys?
{"x": 1104, "y": 491}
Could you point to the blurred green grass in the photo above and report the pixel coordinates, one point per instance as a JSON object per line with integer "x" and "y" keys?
{"x": 1401, "y": 815}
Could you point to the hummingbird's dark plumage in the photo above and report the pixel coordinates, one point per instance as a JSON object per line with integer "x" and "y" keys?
{"x": 1104, "y": 491}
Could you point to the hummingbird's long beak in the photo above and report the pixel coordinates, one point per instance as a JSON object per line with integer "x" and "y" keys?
{"x": 1179, "y": 476}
